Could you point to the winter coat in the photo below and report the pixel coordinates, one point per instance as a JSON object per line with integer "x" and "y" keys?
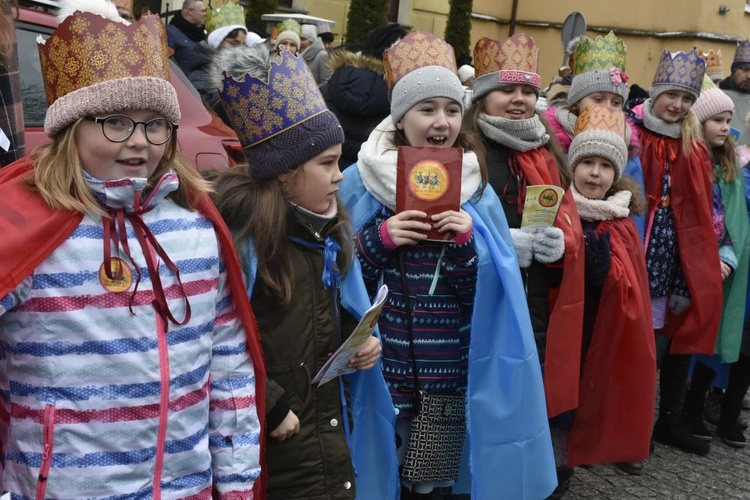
{"x": 741, "y": 102}
{"x": 316, "y": 56}
{"x": 358, "y": 96}
{"x": 105, "y": 396}
{"x": 184, "y": 48}
{"x": 297, "y": 339}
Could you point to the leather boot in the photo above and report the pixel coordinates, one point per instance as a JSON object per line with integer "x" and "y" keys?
{"x": 671, "y": 429}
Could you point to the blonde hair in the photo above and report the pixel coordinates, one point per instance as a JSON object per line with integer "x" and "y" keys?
{"x": 690, "y": 130}
{"x": 58, "y": 176}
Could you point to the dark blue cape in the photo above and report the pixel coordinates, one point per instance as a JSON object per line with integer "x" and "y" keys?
{"x": 509, "y": 448}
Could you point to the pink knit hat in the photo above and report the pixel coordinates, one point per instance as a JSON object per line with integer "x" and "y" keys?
{"x": 712, "y": 102}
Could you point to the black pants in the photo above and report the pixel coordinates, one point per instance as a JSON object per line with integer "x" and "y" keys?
{"x": 672, "y": 382}
{"x": 731, "y": 403}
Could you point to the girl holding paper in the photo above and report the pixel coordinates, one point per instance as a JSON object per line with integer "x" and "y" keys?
{"x": 519, "y": 155}
{"x": 618, "y": 351}
{"x": 459, "y": 304}
{"x": 294, "y": 240}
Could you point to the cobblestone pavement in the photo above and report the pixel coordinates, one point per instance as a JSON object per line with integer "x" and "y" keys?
{"x": 670, "y": 473}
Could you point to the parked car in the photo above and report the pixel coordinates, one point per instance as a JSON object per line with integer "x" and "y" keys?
{"x": 202, "y": 137}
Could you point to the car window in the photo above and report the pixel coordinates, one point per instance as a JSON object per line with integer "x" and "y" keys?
{"x": 32, "y": 85}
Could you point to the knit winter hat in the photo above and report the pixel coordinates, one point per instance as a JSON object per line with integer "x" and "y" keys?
{"x": 600, "y": 132}
{"x": 680, "y": 71}
{"x": 382, "y": 38}
{"x": 309, "y": 32}
{"x": 282, "y": 120}
{"x": 465, "y": 73}
{"x": 419, "y": 67}
{"x": 711, "y": 102}
{"x": 288, "y": 35}
{"x": 599, "y": 66}
{"x": 498, "y": 63}
{"x": 741, "y": 56}
{"x": 94, "y": 65}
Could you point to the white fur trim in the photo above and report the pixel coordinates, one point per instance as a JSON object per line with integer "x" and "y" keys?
{"x": 377, "y": 161}
{"x": 104, "y": 8}
{"x": 614, "y": 207}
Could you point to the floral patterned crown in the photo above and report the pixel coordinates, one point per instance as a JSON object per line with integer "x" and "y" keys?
{"x": 416, "y": 50}
{"x": 601, "y": 53}
{"x": 514, "y": 59}
{"x": 260, "y": 110}
{"x": 229, "y": 15}
{"x": 597, "y": 117}
{"x": 683, "y": 69}
{"x": 714, "y": 68}
{"x": 87, "y": 48}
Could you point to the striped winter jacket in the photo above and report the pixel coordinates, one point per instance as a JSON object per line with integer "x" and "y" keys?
{"x": 102, "y": 398}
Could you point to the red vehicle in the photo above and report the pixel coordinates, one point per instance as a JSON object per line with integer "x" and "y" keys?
{"x": 203, "y": 138}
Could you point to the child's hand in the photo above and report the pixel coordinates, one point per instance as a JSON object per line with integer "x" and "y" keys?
{"x": 405, "y": 228}
{"x": 726, "y": 270}
{"x": 368, "y": 356}
{"x": 459, "y": 222}
{"x": 287, "y": 428}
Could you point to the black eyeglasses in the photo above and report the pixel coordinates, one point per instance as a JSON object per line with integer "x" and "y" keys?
{"x": 119, "y": 128}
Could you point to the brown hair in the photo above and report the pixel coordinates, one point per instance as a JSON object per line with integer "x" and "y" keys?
{"x": 725, "y": 156}
{"x": 7, "y": 30}
{"x": 257, "y": 208}
{"x": 637, "y": 201}
{"x": 58, "y": 176}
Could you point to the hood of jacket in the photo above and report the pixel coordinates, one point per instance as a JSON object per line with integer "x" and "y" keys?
{"x": 357, "y": 86}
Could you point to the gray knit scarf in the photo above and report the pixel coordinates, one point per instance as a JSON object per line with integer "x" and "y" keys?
{"x": 657, "y": 125}
{"x": 567, "y": 120}
{"x": 518, "y": 135}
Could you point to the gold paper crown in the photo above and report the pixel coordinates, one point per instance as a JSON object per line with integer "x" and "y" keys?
{"x": 714, "y": 68}
{"x": 87, "y": 49}
{"x": 290, "y": 25}
{"x": 602, "y": 53}
{"x": 517, "y": 53}
{"x": 416, "y": 50}
{"x": 598, "y": 117}
{"x": 230, "y": 15}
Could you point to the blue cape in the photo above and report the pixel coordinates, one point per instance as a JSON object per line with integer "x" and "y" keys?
{"x": 509, "y": 450}
{"x": 634, "y": 170}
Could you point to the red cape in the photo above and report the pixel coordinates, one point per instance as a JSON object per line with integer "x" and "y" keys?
{"x": 31, "y": 231}
{"x": 562, "y": 362}
{"x": 694, "y": 331}
{"x": 618, "y": 384}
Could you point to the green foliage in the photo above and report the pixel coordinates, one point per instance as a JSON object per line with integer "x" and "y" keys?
{"x": 256, "y": 8}
{"x": 363, "y": 17}
{"x": 458, "y": 29}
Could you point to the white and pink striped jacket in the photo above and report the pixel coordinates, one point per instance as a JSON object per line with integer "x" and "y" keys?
{"x": 97, "y": 401}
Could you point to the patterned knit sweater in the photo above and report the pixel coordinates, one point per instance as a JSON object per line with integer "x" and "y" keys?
{"x": 97, "y": 401}
{"x": 441, "y": 317}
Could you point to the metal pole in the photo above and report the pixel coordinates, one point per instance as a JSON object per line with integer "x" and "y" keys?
{"x": 513, "y": 14}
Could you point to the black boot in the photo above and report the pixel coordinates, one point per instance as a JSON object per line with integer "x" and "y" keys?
{"x": 671, "y": 429}
{"x": 695, "y": 400}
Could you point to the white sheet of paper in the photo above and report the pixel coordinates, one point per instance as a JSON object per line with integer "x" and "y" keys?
{"x": 5, "y": 145}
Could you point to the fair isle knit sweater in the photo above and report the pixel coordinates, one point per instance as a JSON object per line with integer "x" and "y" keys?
{"x": 101, "y": 402}
{"x": 441, "y": 317}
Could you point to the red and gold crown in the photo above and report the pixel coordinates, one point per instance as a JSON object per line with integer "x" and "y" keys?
{"x": 714, "y": 68}
{"x": 600, "y": 131}
{"x": 417, "y": 50}
{"x": 91, "y": 64}
{"x": 512, "y": 61}
{"x": 597, "y": 117}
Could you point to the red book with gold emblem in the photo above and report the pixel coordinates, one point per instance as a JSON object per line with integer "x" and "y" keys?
{"x": 429, "y": 179}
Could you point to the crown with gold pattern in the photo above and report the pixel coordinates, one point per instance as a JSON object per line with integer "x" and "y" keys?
{"x": 679, "y": 71}
{"x": 601, "y": 53}
{"x": 600, "y": 131}
{"x": 91, "y": 65}
{"x": 420, "y": 66}
{"x": 259, "y": 110}
{"x": 230, "y": 15}
{"x": 714, "y": 68}
{"x": 512, "y": 61}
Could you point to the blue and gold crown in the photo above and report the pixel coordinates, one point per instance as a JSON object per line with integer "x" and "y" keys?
{"x": 260, "y": 110}
{"x": 682, "y": 69}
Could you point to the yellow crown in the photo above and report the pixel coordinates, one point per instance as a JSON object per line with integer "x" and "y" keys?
{"x": 597, "y": 117}
{"x": 714, "y": 68}
{"x": 602, "y": 53}
{"x": 417, "y": 50}
{"x": 229, "y": 15}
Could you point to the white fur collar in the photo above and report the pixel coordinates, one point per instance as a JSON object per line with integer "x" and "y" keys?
{"x": 614, "y": 207}
{"x": 377, "y": 166}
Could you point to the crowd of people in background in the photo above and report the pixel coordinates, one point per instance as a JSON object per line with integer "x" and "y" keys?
{"x": 161, "y": 331}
